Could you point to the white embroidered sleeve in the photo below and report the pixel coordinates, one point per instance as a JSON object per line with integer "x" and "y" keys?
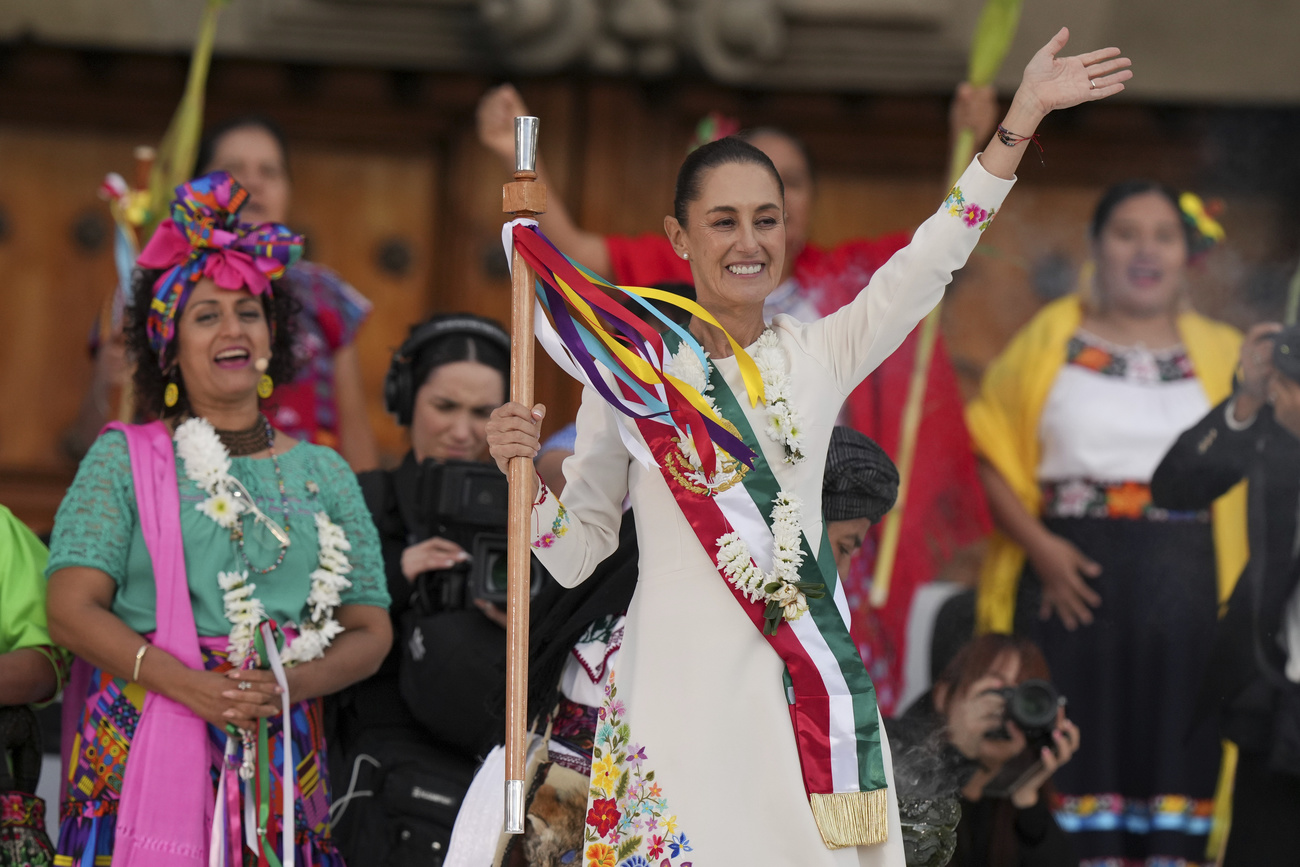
{"x": 855, "y": 339}
{"x": 573, "y": 533}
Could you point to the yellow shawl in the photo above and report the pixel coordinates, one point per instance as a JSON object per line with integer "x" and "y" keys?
{"x": 1003, "y": 423}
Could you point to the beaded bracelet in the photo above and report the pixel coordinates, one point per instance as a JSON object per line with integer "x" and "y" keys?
{"x": 1011, "y": 139}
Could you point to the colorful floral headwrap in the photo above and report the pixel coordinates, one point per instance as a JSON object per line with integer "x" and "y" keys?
{"x": 204, "y": 238}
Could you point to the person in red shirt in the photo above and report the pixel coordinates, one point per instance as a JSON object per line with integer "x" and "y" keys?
{"x": 946, "y": 510}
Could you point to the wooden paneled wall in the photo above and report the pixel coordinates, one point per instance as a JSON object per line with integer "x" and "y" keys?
{"x": 383, "y": 158}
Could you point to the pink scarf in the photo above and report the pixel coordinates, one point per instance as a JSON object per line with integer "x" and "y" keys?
{"x": 165, "y": 813}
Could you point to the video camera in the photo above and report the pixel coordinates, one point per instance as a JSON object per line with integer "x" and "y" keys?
{"x": 465, "y": 502}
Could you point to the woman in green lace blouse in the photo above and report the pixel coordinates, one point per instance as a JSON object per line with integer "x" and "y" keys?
{"x": 269, "y": 529}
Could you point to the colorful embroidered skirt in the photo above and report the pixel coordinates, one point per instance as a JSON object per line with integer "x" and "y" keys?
{"x": 23, "y": 842}
{"x": 100, "y": 751}
{"x": 1140, "y": 791}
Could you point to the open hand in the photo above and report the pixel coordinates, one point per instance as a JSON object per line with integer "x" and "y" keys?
{"x": 1051, "y": 82}
{"x": 497, "y": 110}
{"x": 1064, "y": 571}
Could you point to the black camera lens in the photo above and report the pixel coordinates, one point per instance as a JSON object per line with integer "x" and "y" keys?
{"x": 497, "y": 573}
{"x": 1033, "y": 705}
{"x": 1286, "y": 352}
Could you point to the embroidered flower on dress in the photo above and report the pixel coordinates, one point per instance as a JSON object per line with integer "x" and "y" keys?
{"x": 627, "y": 810}
{"x": 1128, "y": 500}
{"x": 1073, "y": 499}
{"x": 559, "y": 527}
{"x": 603, "y": 815}
{"x": 969, "y": 213}
{"x": 677, "y": 844}
{"x": 600, "y": 855}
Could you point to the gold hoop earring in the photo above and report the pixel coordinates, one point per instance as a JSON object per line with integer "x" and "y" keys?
{"x": 265, "y": 386}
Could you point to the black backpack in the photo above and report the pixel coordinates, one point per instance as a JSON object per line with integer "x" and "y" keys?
{"x": 400, "y": 803}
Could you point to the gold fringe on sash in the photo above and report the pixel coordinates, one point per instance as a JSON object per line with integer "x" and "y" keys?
{"x": 852, "y": 818}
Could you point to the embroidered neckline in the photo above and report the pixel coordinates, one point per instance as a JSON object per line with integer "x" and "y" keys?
{"x": 1132, "y": 363}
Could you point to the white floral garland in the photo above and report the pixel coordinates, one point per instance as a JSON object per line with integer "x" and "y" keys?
{"x": 735, "y": 560}
{"x": 783, "y": 422}
{"x": 207, "y": 463}
{"x": 782, "y": 585}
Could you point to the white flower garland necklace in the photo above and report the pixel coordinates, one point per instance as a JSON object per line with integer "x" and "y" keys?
{"x": 207, "y": 463}
{"x": 784, "y": 425}
{"x": 785, "y": 595}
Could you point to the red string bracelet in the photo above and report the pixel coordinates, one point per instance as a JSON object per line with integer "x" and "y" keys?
{"x": 1011, "y": 139}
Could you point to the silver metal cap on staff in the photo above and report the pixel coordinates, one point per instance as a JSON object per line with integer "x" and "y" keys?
{"x": 526, "y": 144}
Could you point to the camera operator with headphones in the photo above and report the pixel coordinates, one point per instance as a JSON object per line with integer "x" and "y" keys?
{"x": 411, "y": 736}
{"x": 1253, "y": 679}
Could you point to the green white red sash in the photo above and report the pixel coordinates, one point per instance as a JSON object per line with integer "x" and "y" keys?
{"x": 831, "y": 697}
{"x": 832, "y": 700}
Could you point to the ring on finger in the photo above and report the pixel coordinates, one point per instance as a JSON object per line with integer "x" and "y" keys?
{"x": 1092, "y": 82}
{"x": 245, "y": 685}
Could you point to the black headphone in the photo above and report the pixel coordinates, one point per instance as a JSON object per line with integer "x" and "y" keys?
{"x": 399, "y": 389}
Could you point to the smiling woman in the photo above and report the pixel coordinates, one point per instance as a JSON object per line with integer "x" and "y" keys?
{"x": 176, "y": 571}
{"x": 738, "y": 619}
{"x": 1070, "y": 424}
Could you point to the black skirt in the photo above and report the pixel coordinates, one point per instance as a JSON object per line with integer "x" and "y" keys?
{"x": 1140, "y": 789}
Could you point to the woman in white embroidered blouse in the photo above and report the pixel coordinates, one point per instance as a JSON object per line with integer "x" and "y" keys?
{"x": 697, "y": 760}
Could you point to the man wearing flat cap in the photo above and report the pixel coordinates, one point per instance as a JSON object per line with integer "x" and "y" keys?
{"x": 858, "y": 489}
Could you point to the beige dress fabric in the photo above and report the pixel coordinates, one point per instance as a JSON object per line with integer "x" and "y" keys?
{"x": 701, "y": 688}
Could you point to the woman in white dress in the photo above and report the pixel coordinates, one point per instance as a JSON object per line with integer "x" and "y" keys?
{"x": 719, "y": 743}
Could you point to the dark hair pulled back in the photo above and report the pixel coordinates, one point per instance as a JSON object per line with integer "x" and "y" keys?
{"x": 702, "y": 160}
{"x": 211, "y": 138}
{"x": 757, "y": 132}
{"x": 460, "y": 346}
{"x": 151, "y": 377}
{"x": 1118, "y": 194}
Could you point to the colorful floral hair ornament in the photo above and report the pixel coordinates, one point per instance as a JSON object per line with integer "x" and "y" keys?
{"x": 713, "y": 126}
{"x": 204, "y": 238}
{"x": 1200, "y": 216}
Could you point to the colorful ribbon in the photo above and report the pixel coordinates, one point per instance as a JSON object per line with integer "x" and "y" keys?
{"x": 261, "y": 822}
{"x": 598, "y": 331}
{"x": 204, "y": 238}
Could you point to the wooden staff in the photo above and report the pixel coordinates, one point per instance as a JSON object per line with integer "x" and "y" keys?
{"x": 523, "y": 197}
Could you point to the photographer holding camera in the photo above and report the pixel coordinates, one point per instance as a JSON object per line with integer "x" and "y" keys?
{"x": 1003, "y": 733}
{"x": 1253, "y": 678}
{"x": 411, "y": 735}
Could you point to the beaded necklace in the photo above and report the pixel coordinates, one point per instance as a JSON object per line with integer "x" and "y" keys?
{"x": 249, "y": 441}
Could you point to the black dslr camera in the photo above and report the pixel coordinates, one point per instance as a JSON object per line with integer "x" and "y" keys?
{"x": 465, "y": 502}
{"x": 1286, "y": 352}
{"x": 1032, "y": 705}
